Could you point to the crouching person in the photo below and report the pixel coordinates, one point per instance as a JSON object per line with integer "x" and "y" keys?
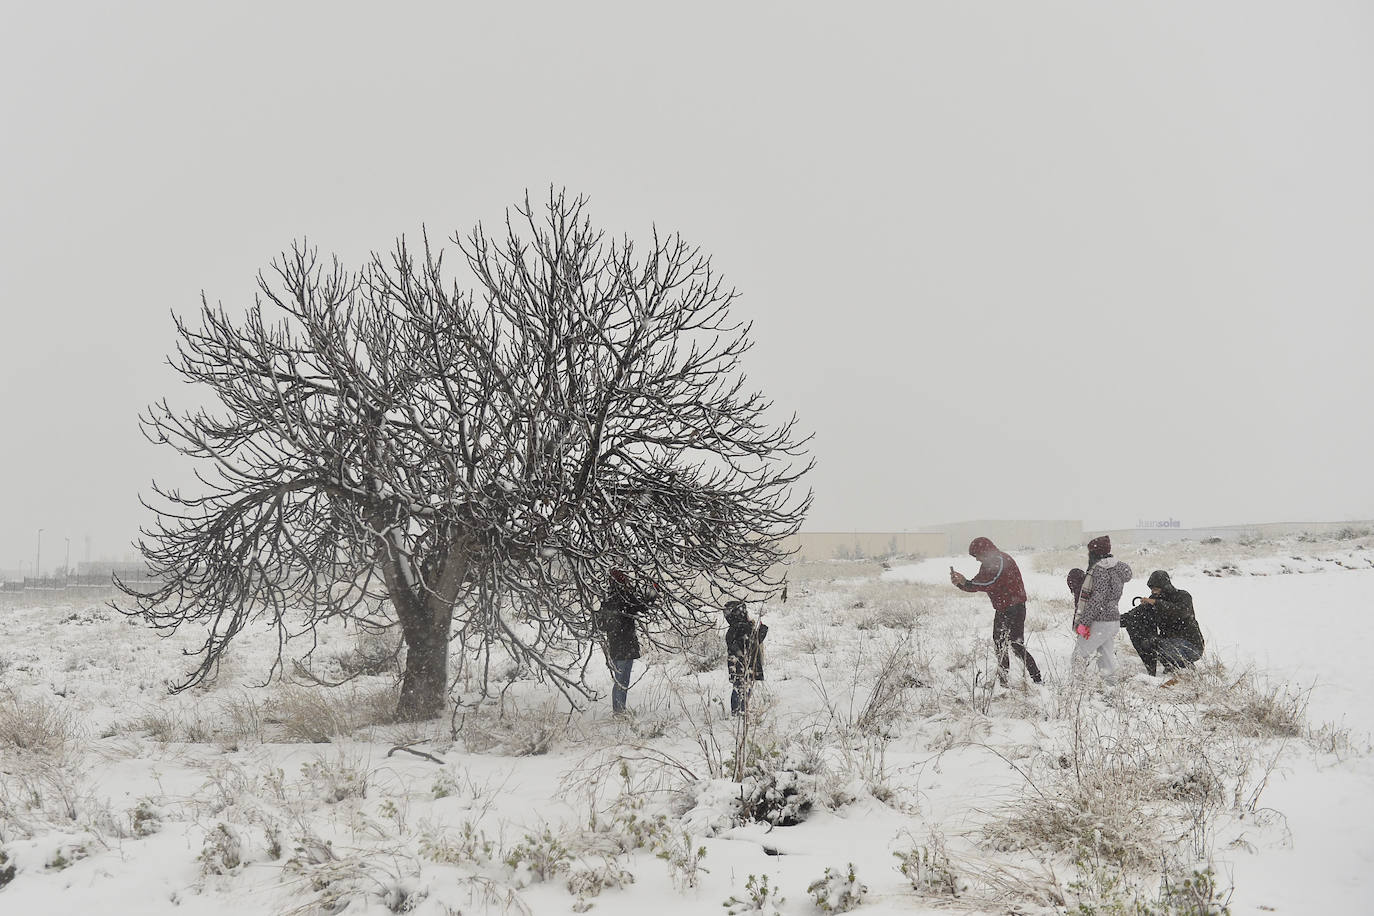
{"x": 744, "y": 654}
{"x": 1163, "y": 627}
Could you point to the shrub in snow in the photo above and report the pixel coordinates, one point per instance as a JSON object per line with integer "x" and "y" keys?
{"x": 929, "y": 871}
{"x": 538, "y": 858}
{"x": 336, "y": 780}
{"x": 634, "y": 828}
{"x": 1257, "y": 710}
{"x": 372, "y": 654}
{"x": 222, "y": 852}
{"x": 332, "y": 882}
{"x": 835, "y": 892}
{"x": 1194, "y": 895}
{"x": 36, "y": 724}
{"x": 683, "y": 858}
{"x": 7, "y": 869}
{"x": 145, "y": 818}
{"x": 775, "y": 793}
{"x": 1102, "y": 889}
{"x": 67, "y": 854}
{"x": 444, "y": 785}
{"x": 317, "y": 716}
{"x": 759, "y": 897}
{"x": 514, "y": 732}
{"x": 590, "y": 881}
{"x": 401, "y": 896}
{"x": 468, "y": 846}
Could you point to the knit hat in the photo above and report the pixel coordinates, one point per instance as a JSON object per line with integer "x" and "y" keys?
{"x": 1100, "y": 545}
{"x": 1159, "y": 579}
{"x": 733, "y": 609}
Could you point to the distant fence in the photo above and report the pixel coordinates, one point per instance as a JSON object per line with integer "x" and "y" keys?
{"x": 85, "y": 580}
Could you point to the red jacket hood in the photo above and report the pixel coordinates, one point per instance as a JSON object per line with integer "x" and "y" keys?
{"x": 979, "y": 547}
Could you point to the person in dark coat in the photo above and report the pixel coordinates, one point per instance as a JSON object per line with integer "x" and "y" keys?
{"x": 1163, "y": 627}
{"x": 619, "y": 613}
{"x": 1000, "y": 578}
{"x": 743, "y": 654}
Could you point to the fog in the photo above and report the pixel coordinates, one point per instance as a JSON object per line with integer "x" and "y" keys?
{"x": 1053, "y": 260}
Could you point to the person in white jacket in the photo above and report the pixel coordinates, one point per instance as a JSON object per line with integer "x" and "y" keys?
{"x": 1097, "y": 615}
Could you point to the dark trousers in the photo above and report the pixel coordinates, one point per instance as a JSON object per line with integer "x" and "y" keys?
{"x": 620, "y": 675}
{"x": 739, "y": 697}
{"x": 1009, "y": 631}
{"x": 1154, "y": 650}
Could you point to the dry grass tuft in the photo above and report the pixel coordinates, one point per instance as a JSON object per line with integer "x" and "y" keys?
{"x": 514, "y": 731}
{"x": 1249, "y": 707}
{"x": 37, "y": 724}
{"x": 313, "y": 715}
{"x": 892, "y": 604}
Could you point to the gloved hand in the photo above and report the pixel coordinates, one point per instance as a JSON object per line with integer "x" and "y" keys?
{"x": 1082, "y": 630}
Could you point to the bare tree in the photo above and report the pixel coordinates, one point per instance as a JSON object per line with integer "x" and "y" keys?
{"x": 389, "y": 449}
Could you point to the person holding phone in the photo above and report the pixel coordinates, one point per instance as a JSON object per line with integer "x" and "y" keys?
{"x": 1000, "y": 577}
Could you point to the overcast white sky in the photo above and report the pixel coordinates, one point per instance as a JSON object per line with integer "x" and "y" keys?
{"x": 1009, "y": 260}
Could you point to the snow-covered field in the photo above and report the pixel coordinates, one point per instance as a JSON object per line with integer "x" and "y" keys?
{"x": 876, "y": 733}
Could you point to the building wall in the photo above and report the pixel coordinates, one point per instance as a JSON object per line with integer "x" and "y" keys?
{"x": 939, "y": 541}
{"x": 833, "y": 545}
{"x": 1230, "y": 532}
{"x": 1010, "y": 534}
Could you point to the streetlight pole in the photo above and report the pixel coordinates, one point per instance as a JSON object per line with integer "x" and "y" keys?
{"x": 38, "y": 557}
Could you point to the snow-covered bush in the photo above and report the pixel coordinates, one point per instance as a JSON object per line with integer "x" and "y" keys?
{"x": 1254, "y": 709}
{"x": 469, "y": 845}
{"x": 513, "y": 731}
{"x": 371, "y": 654}
{"x": 929, "y": 870}
{"x": 145, "y": 818}
{"x": 67, "y": 854}
{"x": 538, "y": 858}
{"x": 319, "y": 715}
{"x": 338, "y": 778}
{"x": 778, "y": 785}
{"x": 37, "y": 724}
{"x": 759, "y": 897}
{"x": 222, "y": 852}
{"x": 683, "y": 857}
{"x": 1100, "y": 888}
{"x": 837, "y": 892}
{"x": 589, "y": 881}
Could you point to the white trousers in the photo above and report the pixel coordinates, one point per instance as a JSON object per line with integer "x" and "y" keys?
{"x": 1101, "y": 642}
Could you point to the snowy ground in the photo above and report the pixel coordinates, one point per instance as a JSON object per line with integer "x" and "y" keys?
{"x": 877, "y": 731}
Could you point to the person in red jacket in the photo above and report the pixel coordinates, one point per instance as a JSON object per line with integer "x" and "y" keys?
{"x": 1000, "y": 577}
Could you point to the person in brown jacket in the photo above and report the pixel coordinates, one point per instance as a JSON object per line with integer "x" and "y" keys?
{"x": 999, "y": 576}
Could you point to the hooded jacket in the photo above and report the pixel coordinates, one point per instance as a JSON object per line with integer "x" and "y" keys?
{"x": 999, "y": 575}
{"x": 617, "y": 620}
{"x": 1174, "y": 611}
{"x": 744, "y": 646}
{"x": 1100, "y": 595}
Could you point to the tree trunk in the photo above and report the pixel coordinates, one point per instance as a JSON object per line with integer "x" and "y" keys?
{"x": 424, "y": 685}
